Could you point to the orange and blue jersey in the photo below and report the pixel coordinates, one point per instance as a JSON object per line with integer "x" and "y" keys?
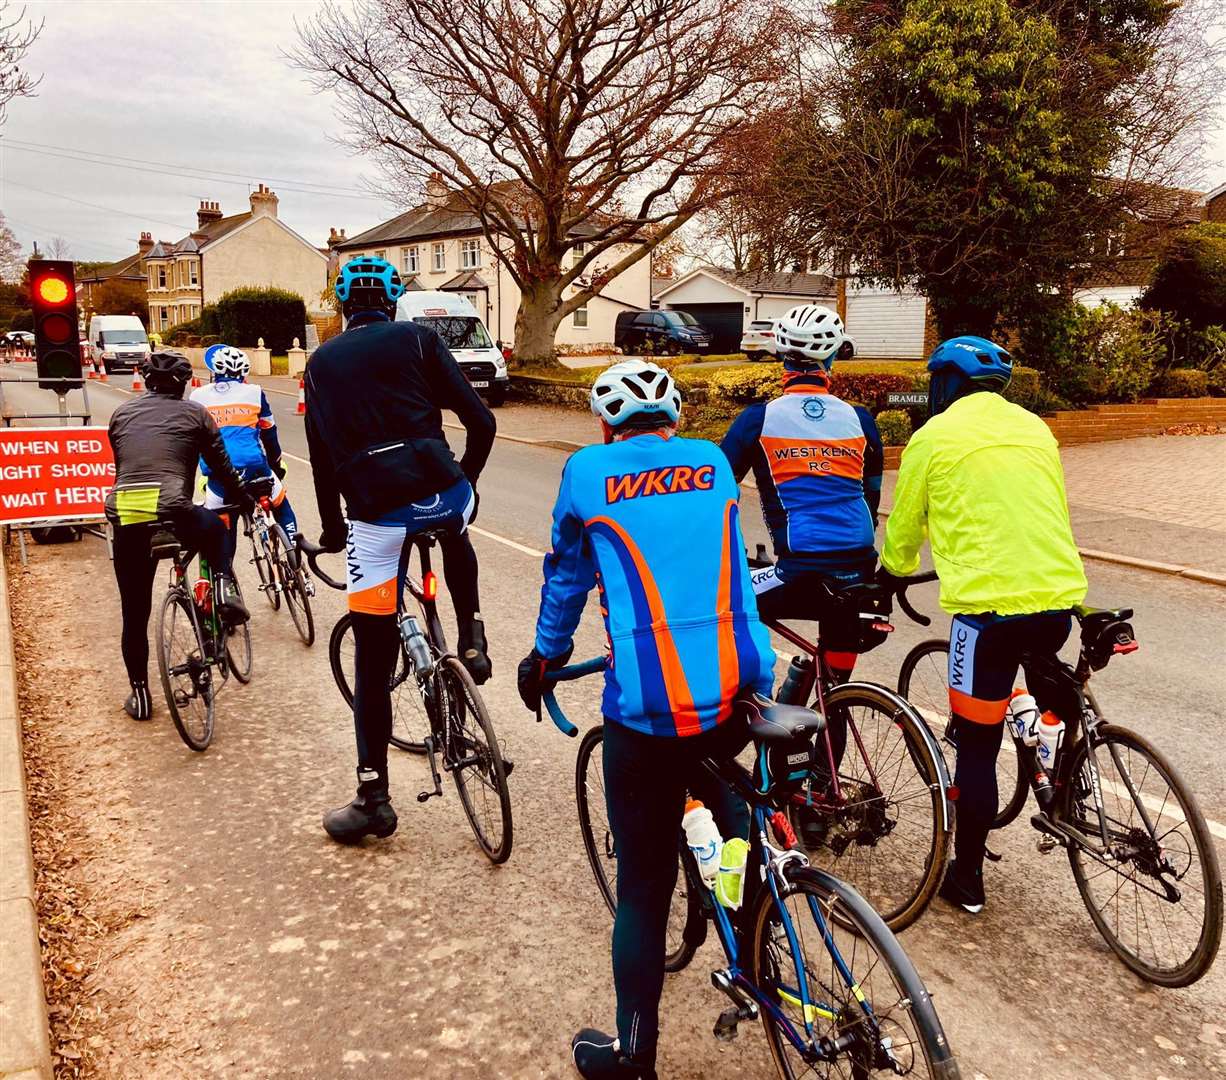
{"x": 242, "y": 413}
{"x": 653, "y": 524}
{"x": 817, "y": 462}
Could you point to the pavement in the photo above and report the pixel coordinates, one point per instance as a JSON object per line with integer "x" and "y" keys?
{"x": 265, "y": 951}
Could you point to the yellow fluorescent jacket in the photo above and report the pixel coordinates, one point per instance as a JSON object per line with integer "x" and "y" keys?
{"x": 983, "y": 482}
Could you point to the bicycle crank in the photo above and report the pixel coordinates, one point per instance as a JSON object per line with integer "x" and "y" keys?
{"x": 423, "y": 796}
{"x": 742, "y": 1007}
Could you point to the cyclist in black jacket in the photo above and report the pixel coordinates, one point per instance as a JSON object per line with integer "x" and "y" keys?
{"x": 375, "y": 434}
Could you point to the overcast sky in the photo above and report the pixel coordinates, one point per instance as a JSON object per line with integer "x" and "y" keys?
{"x": 183, "y": 85}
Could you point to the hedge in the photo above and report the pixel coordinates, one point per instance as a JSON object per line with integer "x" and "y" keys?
{"x": 1181, "y": 383}
{"x": 245, "y": 315}
{"x": 894, "y": 426}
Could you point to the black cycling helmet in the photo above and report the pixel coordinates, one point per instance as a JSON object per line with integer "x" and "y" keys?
{"x": 368, "y": 283}
{"x": 167, "y": 371}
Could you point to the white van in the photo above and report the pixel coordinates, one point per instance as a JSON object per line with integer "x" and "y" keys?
{"x": 456, "y": 321}
{"x": 117, "y": 342}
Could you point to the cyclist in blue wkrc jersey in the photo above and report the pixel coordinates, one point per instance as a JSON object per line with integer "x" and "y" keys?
{"x": 651, "y": 521}
{"x": 242, "y": 413}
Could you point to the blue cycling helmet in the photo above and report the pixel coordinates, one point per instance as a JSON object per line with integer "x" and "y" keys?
{"x": 368, "y": 283}
{"x": 962, "y": 365}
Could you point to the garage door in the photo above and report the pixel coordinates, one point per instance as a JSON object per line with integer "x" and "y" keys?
{"x": 886, "y": 324}
{"x": 724, "y": 322}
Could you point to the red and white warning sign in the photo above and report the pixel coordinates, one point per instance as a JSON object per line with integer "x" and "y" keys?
{"x": 49, "y": 474}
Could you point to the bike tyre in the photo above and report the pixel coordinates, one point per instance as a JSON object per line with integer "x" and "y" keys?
{"x": 265, "y": 568}
{"x": 176, "y": 599}
{"x": 1017, "y": 795}
{"x": 289, "y": 573}
{"x": 859, "y": 917}
{"x": 239, "y": 660}
{"x": 1202, "y": 957}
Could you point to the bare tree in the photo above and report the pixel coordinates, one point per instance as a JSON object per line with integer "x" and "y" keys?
{"x": 16, "y": 37}
{"x": 59, "y": 248}
{"x": 555, "y": 122}
{"x": 12, "y": 265}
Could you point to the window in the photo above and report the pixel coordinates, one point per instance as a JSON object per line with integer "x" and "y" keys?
{"x": 470, "y": 254}
{"x": 163, "y": 315}
{"x": 162, "y": 277}
{"x": 438, "y": 257}
{"x": 457, "y": 331}
{"x": 581, "y": 315}
{"x": 410, "y": 260}
{"x": 381, "y": 254}
{"x": 577, "y": 253}
{"x": 194, "y": 272}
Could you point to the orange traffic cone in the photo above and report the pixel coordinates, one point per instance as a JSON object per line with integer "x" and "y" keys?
{"x": 195, "y": 380}
{"x": 301, "y": 410}
{"x": 102, "y": 377}
{"x": 92, "y": 373}
{"x": 138, "y": 383}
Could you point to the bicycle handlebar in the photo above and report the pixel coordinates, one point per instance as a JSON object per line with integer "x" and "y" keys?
{"x": 567, "y": 674}
{"x": 312, "y": 552}
{"x": 905, "y": 604}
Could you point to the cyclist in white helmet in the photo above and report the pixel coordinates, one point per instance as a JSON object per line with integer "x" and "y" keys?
{"x": 242, "y": 413}
{"x": 651, "y": 520}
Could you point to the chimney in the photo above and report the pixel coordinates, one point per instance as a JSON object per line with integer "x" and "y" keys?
{"x": 146, "y": 244}
{"x": 207, "y": 213}
{"x": 263, "y": 202}
{"x": 436, "y": 190}
{"x": 335, "y": 239}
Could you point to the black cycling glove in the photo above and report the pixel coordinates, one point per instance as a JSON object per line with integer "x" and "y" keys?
{"x": 333, "y": 541}
{"x": 889, "y": 581}
{"x": 532, "y": 677}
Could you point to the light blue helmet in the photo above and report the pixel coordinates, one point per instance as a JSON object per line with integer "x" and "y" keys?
{"x": 368, "y": 283}
{"x": 980, "y": 360}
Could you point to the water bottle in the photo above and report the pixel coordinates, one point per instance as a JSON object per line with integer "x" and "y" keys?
{"x": 204, "y": 595}
{"x": 1024, "y": 717}
{"x": 796, "y": 681}
{"x": 730, "y": 885}
{"x": 416, "y": 645}
{"x": 1051, "y": 736}
{"x": 704, "y": 840}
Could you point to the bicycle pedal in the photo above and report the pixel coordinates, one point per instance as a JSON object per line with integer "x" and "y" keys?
{"x": 1047, "y": 844}
{"x": 426, "y": 796}
{"x": 726, "y": 1025}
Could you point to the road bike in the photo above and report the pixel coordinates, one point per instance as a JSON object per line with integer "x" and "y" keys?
{"x": 276, "y": 562}
{"x": 437, "y": 709}
{"x": 875, "y": 810}
{"x": 1137, "y": 842}
{"x": 197, "y": 652}
{"x": 806, "y": 954}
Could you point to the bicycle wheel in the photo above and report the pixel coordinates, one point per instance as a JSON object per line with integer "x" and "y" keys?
{"x": 266, "y": 568}
{"x": 238, "y": 647}
{"x": 187, "y": 675}
{"x": 923, "y": 680}
{"x": 289, "y": 574}
{"x": 864, "y": 994}
{"x": 410, "y": 721}
{"x": 885, "y": 833}
{"x": 1156, "y": 895}
{"x": 474, "y": 759}
{"x": 679, "y": 947}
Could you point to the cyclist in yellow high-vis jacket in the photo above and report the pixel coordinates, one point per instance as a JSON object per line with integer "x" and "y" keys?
{"x": 982, "y": 480}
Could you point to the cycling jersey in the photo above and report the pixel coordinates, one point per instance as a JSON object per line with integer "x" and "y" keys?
{"x": 983, "y": 481}
{"x": 653, "y": 523}
{"x": 817, "y": 462}
{"x": 374, "y": 424}
{"x": 158, "y": 440}
{"x": 244, "y": 417}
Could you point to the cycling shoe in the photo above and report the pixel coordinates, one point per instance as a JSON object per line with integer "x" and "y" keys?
{"x": 474, "y": 652}
{"x": 598, "y": 1056}
{"x": 370, "y": 813}
{"x": 139, "y": 705}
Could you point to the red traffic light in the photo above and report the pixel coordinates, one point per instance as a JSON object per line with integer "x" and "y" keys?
{"x": 53, "y": 290}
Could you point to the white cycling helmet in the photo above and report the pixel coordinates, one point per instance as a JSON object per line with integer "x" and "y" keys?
{"x": 811, "y": 333}
{"x": 231, "y": 363}
{"x": 636, "y": 389}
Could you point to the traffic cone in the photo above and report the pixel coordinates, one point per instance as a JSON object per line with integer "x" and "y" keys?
{"x": 301, "y": 410}
{"x": 195, "y": 380}
{"x": 102, "y": 376}
{"x": 138, "y": 383}
{"x": 92, "y": 373}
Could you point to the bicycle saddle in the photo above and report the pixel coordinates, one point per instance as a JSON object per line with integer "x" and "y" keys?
{"x": 1098, "y": 617}
{"x": 259, "y": 488}
{"x": 772, "y": 722}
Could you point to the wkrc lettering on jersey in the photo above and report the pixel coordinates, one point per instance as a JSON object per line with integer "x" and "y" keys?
{"x": 669, "y": 480}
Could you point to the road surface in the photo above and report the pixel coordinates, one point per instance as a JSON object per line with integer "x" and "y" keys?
{"x": 267, "y": 951}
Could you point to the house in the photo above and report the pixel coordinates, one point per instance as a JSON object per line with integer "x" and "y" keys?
{"x": 88, "y": 283}
{"x": 222, "y": 253}
{"x": 440, "y": 245}
{"x": 726, "y": 301}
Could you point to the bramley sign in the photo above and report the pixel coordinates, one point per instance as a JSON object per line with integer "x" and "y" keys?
{"x": 54, "y": 474}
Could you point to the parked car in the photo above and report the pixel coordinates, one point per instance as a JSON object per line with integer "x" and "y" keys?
{"x": 18, "y": 339}
{"x": 758, "y": 341}
{"x": 662, "y": 332}
{"x": 456, "y": 321}
{"x": 117, "y": 342}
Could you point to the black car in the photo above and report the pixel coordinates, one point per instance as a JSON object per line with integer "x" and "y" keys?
{"x": 661, "y": 332}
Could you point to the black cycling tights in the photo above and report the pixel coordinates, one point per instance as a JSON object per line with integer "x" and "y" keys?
{"x": 199, "y": 529}
{"x": 376, "y": 641}
{"x": 646, "y": 780}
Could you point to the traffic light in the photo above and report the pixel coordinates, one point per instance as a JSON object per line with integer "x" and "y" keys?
{"x": 57, "y": 347}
